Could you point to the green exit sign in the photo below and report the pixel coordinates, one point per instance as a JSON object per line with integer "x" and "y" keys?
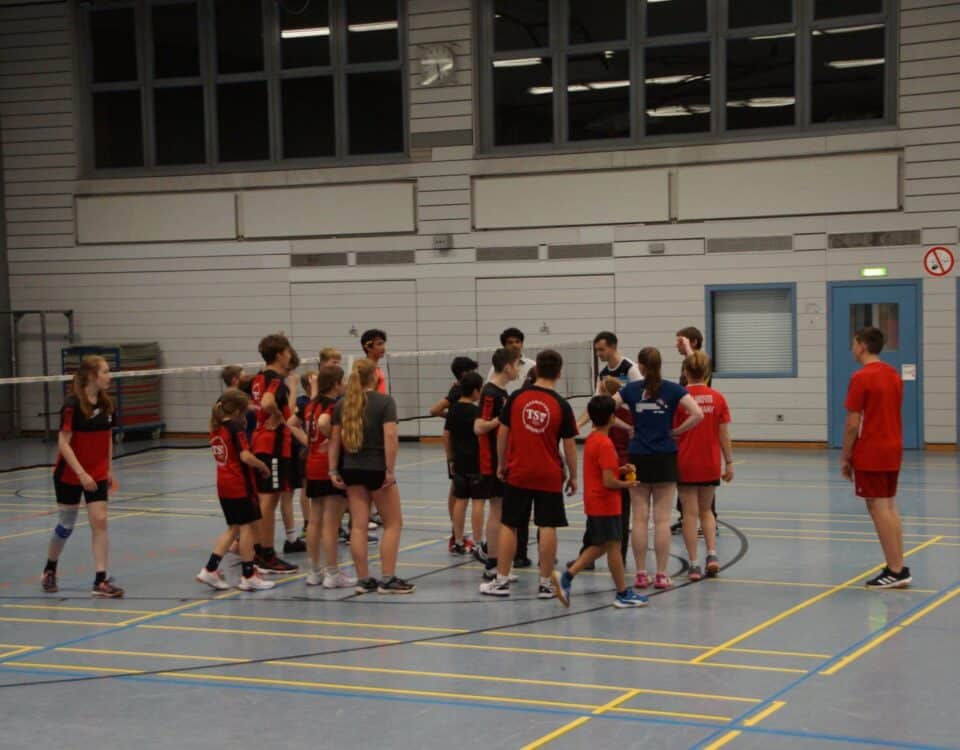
{"x": 873, "y": 272}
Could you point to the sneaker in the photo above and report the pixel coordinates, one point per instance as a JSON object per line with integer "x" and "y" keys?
{"x": 489, "y": 574}
{"x": 522, "y": 562}
{"x": 451, "y": 543}
{"x": 662, "y": 581}
{"x": 375, "y": 520}
{"x": 214, "y": 580}
{"x": 713, "y": 566}
{"x": 562, "y": 586}
{"x": 343, "y": 535}
{"x": 469, "y": 543}
{"x": 629, "y": 599}
{"x": 495, "y": 588}
{"x": 394, "y": 585}
{"x": 338, "y": 580}
{"x": 547, "y": 590}
{"x": 642, "y": 580}
{"x": 677, "y": 528}
{"x": 459, "y": 549}
{"x": 292, "y": 548}
{"x": 366, "y": 586}
{"x": 479, "y": 553}
{"x": 314, "y": 578}
{"x": 273, "y": 565}
{"x": 695, "y": 573}
{"x": 49, "y": 582}
{"x": 890, "y": 580}
{"x": 107, "y": 590}
{"x": 254, "y": 583}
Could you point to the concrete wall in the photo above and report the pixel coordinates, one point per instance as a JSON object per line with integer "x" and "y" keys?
{"x": 207, "y": 293}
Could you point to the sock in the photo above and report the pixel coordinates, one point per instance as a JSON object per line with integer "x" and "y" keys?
{"x": 570, "y": 575}
{"x": 491, "y": 563}
{"x": 711, "y": 552}
{"x": 247, "y": 568}
{"x": 544, "y": 581}
{"x": 214, "y": 562}
{"x": 100, "y": 577}
{"x": 257, "y": 549}
{"x": 292, "y": 535}
{"x": 503, "y": 579}
{"x": 694, "y": 563}
{"x": 50, "y": 567}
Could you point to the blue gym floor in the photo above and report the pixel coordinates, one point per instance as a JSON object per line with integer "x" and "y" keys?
{"x": 785, "y": 649}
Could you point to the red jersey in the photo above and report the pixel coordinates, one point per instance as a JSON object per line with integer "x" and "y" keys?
{"x": 266, "y": 382}
{"x": 698, "y": 450}
{"x": 492, "y": 399}
{"x": 538, "y": 419}
{"x": 599, "y": 454}
{"x": 277, "y": 443}
{"x": 620, "y": 436}
{"x": 234, "y": 478}
{"x": 318, "y": 457}
{"x": 381, "y": 381}
{"x": 90, "y": 440}
{"x": 876, "y": 391}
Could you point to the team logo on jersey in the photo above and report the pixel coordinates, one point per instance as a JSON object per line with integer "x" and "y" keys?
{"x": 256, "y": 390}
{"x": 536, "y": 416}
{"x": 220, "y": 451}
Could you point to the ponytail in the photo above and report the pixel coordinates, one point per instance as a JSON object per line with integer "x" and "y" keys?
{"x": 87, "y": 372}
{"x": 697, "y": 367}
{"x": 362, "y": 377}
{"x": 649, "y": 358}
{"x": 231, "y": 404}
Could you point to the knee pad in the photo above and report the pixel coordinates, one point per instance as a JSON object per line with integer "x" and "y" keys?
{"x": 68, "y": 519}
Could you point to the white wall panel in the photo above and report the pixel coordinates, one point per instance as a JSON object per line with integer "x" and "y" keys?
{"x": 155, "y": 218}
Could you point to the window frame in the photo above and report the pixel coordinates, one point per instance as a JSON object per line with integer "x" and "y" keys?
{"x": 790, "y": 288}
{"x": 716, "y": 35}
{"x": 209, "y": 78}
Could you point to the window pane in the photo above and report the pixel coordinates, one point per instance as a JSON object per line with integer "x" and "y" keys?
{"x": 523, "y": 101}
{"x": 759, "y": 12}
{"x": 883, "y": 315}
{"x": 760, "y": 83}
{"x": 179, "y": 125}
{"x": 239, "y": 36}
{"x": 848, "y": 69}
{"x": 521, "y": 24}
{"x": 753, "y": 331}
{"x": 118, "y": 129}
{"x": 242, "y": 123}
{"x": 375, "y": 112}
{"x": 597, "y": 20}
{"x": 841, "y": 8}
{"x": 676, "y": 17}
{"x": 305, "y": 36}
{"x": 308, "y": 128}
{"x": 176, "y": 51}
{"x": 598, "y": 95}
{"x": 372, "y": 31}
{"x": 678, "y": 89}
{"x": 113, "y": 39}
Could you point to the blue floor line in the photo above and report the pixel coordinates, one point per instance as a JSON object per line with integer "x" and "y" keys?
{"x": 737, "y": 723}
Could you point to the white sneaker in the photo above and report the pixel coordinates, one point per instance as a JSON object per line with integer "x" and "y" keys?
{"x": 314, "y": 578}
{"x": 512, "y": 577}
{"x": 495, "y": 588}
{"x": 338, "y": 580}
{"x": 214, "y": 580}
{"x": 255, "y": 583}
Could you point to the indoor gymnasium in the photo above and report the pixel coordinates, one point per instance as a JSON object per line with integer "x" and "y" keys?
{"x": 487, "y": 373}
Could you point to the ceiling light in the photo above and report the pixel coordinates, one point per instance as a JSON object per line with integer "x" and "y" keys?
{"x": 540, "y": 90}
{"x": 679, "y": 110}
{"x": 519, "y": 62}
{"x": 374, "y": 26}
{"x": 601, "y": 85}
{"x": 760, "y": 102}
{"x": 301, "y": 33}
{"x": 788, "y": 35}
{"x": 864, "y": 63}
{"x": 848, "y": 29}
{"x": 669, "y": 80}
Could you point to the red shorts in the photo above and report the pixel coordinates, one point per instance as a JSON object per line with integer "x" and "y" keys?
{"x": 874, "y": 484}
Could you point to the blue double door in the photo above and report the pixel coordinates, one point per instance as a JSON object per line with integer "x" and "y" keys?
{"x": 894, "y": 308}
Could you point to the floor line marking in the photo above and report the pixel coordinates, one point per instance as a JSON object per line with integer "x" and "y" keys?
{"x": 270, "y": 633}
{"x": 18, "y": 651}
{"x": 148, "y": 654}
{"x": 64, "y": 608}
{"x": 802, "y": 584}
{"x": 46, "y": 530}
{"x": 724, "y": 740}
{"x": 799, "y": 607}
{"x": 332, "y": 623}
{"x": 761, "y": 715}
{"x": 37, "y": 620}
{"x": 566, "y": 728}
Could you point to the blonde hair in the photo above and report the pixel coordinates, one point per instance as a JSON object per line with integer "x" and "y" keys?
{"x": 363, "y": 376}
{"x": 328, "y": 353}
{"x": 697, "y": 366}
{"x": 87, "y": 373}
{"x": 612, "y": 385}
{"x": 232, "y": 403}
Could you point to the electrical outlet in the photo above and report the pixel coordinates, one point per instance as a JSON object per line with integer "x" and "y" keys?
{"x": 780, "y": 417}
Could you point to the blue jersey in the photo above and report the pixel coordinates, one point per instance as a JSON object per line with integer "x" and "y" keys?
{"x": 652, "y": 418}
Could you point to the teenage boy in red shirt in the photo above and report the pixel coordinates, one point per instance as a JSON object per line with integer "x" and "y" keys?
{"x": 873, "y": 450}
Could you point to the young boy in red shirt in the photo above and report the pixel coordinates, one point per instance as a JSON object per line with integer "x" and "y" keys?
{"x": 873, "y": 450}
{"x": 602, "y": 501}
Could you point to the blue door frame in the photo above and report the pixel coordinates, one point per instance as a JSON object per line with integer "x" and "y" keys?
{"x": 840, "y": 365}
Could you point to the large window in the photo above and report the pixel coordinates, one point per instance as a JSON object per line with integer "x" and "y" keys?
{"x": 204, "y": 83}
{"x": 569, "y": 73}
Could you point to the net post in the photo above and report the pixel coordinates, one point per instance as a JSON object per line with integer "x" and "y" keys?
{"x": 46, "y": 371}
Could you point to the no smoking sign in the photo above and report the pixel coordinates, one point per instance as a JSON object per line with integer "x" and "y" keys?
{"x": 938, "y": 261}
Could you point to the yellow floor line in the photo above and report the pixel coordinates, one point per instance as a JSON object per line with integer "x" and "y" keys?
{"x": 567, "y": 728}
{"x": 148, "y": 654}
{"x": 799, "y": 607}
{"x": 761, "y": 715}
{"x": 104, "y": 610}
{"x": 330, "y": 623}
{"x": 724, "y": 740}
{"x": 270, "y": 633}
{"x": 799, "y": 584}
{"x": 37, "y": 620}
{"x": 46, "y": 530}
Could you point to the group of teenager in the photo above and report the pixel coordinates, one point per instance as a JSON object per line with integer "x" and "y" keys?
{"x": 511, "y": 453}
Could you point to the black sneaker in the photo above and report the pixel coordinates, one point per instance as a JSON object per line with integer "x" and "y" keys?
{"x": 366, "y": 586}
{"x": 458, "y": 549}
{"x": 394, "y": 585}
{"x": 290, "y": 548}
{"x": 274, "y": 565}
{"x": 49, "y": 582}
{"x": 343, "y": 535}
{"x": 890, "y": 580}
{"x": 522, "y": 562}
{"x": 479, "y": 552}
{"x": 677, "y": 528}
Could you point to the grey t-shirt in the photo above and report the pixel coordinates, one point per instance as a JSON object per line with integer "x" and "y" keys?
{"x": 380, "y": 410}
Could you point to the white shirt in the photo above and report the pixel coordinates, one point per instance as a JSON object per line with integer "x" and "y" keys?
{"x": 524, "y": 366}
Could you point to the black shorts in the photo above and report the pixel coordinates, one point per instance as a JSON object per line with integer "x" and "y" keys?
{"x": 239, "y": 511}
{"x": 69, "y": 494}
{"x": 548, "y": 508}
{"x": 282, "y": 482}
{"x": 602, "y": 530}
{"x": 297, "y": 473}
{"x": 488, "y": 488}
{"x": 368, "y": 478}
{"x": 467, "y": 486}
{"x": 320, "y": 488}
{"x": 656, "y": 468}
{"x": 714, "y": 483}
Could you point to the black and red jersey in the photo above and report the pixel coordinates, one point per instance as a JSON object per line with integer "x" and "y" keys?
{"x": 276, "y": 443}
{"x": 90, "y": 440}
{"x": 492, "y": 399}
{"x": 538, "y": 418}
{"x": 318, "y": 457}
{"x": 234, "y": 478}
{"x": 270, "y": 381}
